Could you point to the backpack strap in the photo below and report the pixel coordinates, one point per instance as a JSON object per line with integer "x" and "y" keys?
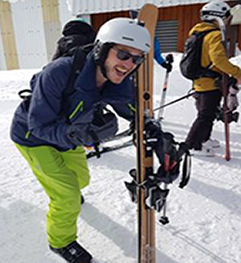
{"x": 25, "y": 94}
{"x": 79, "y": 58}
{"x": 186, "y": 170}
{"x": 207, "y": 72}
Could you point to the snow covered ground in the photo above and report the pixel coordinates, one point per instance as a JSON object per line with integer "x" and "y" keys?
{"x": 205, "y": 217}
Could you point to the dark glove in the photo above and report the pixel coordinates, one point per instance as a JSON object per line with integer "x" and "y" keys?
{"x": 101, "y": 128}
{"x": 232, "y": 101}
{"x": 167, "y": 66}
{"x": 168, "y": 63}
{"x": 169, "y": 59}
{"x": 153, "y": 134}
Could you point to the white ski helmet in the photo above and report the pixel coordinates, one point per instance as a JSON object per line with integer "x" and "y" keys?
{"x": 215, "y": 9}
{"x": 125, "y": 31}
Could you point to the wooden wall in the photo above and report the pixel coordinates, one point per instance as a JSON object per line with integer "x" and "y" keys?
{"x": 187, "y": 16}
{"x": 98, "y": 19}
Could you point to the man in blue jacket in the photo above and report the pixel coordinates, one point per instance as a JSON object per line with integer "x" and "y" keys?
{"x": 50, "y": 129}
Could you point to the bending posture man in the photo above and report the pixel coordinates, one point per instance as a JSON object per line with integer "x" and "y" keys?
{"x": 50, "y": 129}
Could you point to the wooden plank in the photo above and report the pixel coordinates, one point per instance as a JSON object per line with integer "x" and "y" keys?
{"x": 50, "y": 10}
{"x": 52, "y": 25}
{"x": 8, "y": 37}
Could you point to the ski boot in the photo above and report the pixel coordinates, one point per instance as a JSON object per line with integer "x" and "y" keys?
{"x": 132, "y": 186}
{"x": 73, "y": 253}
{"x": 156, "y": 197}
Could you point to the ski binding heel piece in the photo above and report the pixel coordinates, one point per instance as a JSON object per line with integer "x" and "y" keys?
{"x": 156, "y": 197}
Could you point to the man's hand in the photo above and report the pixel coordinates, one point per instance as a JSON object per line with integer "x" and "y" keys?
{"x": 99, "y": 129}
{"x": 168, "y": 63}
{"x": 232, "y": 101}
{"x": 167, "y": 66}
{"x": 239, "y": 83}
{"x": 153, "y": 133}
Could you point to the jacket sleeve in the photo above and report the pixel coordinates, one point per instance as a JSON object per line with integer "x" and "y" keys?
{"x": 44, "y": 120}
{"x": 124, "y": 104}
{"x": 126, "y": 111}
{"x": 218, "y": 55}
{"x": 157, "y": 52}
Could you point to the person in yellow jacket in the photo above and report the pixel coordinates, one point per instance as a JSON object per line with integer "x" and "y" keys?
{"x": 208, "y": 87}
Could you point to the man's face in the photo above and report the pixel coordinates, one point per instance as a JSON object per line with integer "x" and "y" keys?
{"x": 120, "y": 61}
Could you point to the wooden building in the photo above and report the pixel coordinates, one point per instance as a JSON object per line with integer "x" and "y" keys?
{"x": 30, "y": 29}
{"x": 174, "y": 23}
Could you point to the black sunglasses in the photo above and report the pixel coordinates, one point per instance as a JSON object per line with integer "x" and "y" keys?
{"x": 124, "y": 55}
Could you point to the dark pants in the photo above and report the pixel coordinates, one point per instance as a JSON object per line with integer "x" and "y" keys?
{"x": 207, "y": 105}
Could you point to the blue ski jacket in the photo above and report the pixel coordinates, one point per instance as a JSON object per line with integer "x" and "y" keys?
{"x": 157, "y": 52}
{"x": 44, "y": 119}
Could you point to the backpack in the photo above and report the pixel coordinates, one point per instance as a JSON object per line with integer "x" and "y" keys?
{"x": 190, "y": 64}
{"x": 79, "y": 58}
{"x": 76, "y": 33}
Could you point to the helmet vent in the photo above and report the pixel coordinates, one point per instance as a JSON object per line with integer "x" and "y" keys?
{"x": 128, "y": 38}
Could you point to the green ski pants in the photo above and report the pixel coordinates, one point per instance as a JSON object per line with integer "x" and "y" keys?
{"x": 62, "y": 176}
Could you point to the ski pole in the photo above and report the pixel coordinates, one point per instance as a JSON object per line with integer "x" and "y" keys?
{"x": 169, "y": 60}
{"x": 225, "y": 90}
{"x": 190, "y": 93}
{"x": 164, "y": 218}
{"x": 128, "y": 132}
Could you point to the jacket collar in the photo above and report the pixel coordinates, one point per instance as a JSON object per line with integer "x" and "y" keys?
{"x": 87, "y": 77}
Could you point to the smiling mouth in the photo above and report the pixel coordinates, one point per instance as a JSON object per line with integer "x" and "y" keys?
{"x": 121, "y": 71}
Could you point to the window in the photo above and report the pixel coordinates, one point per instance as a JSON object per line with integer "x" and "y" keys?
{"x": 167, "y": 33}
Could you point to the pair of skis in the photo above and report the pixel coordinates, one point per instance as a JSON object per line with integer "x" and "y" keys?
{"x": 141, "y": 186}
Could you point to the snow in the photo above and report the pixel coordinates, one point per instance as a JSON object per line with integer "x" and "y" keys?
{"x": 205, "y": 217}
